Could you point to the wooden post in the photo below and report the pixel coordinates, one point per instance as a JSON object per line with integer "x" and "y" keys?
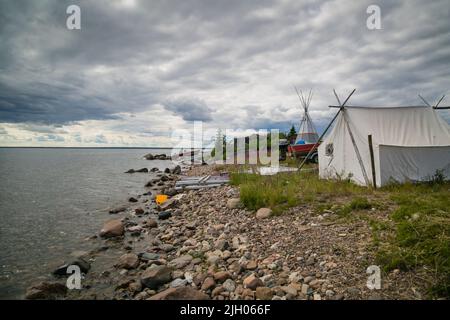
{"x": 372, "y": 162}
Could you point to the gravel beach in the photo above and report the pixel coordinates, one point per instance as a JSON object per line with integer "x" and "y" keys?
{"x": 202, "y": 244}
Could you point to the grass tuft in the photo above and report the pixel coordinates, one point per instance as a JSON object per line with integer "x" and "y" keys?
{"x": 412, "y": 231}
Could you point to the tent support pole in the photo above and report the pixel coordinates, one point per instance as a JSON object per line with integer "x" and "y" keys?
{"x": 358, "y": 155}
{"x": 326, "y": 129}
{"x": 372, "y": 162}
{"x": 317, "y": 143}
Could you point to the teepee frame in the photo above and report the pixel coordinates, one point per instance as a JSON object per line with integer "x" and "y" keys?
{"x": 307, "y": 131}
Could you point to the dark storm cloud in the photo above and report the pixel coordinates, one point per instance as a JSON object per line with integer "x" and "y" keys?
{"x": 131, "y": 56}
{"x": 190, "y": 110}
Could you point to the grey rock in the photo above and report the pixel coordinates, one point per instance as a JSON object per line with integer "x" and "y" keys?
{"x": 46, "y": 290}
{"x": 155, "y": 276}
{"x": 178, "y": 283}
{"x": 181, "y": 262}
{"x": 81, "y": 263}
{"x": 164, "y": 215}
{"x": 229, "y": 285}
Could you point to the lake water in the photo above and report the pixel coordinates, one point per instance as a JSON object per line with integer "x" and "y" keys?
{"x": 52, "y": 199}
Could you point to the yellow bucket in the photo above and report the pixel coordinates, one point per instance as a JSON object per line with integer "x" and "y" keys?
{"x": 161, "y": 198}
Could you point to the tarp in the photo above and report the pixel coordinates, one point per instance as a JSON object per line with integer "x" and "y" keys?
{"x": 402, "y": 140}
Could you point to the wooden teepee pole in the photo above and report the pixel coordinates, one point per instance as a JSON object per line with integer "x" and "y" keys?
{"x": 326, "y": 129}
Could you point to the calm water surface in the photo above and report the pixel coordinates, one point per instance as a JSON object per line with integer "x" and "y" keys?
{"x": 51, "y": 199}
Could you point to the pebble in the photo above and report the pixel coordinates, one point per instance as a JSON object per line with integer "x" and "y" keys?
{"x": 229, "y": 285}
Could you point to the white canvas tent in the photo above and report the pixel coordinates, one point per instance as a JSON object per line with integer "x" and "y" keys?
{"x": 409, "y": 144}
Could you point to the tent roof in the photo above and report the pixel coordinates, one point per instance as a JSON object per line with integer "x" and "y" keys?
{"x": 400, "y": 126}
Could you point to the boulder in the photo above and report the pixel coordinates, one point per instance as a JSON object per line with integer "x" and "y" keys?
{"x": 139, "y": 211}
{"x": 112, "y": 228}
{"x": 130, "y": 171}
{"x": 252, "y": 282}
{"x": 176, "y": 170}
{"x": 154, "y": 169}
{"x": 263, "y": 213}
{"x": 143, "y": 170}
{"x": 128, "y": 261}
{"x": 161, "y": 157}
{"x": 181, "y": 293}
{"x": 149, "y": 156}
{"x": 155, "y": 276}
{"x": 149, "y": 184}
{"x": 46, "y": 290}
{"x": 167, "y": 170}
{"x": 131, "y": 199}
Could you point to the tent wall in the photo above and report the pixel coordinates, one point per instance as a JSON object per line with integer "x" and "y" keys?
{"x": 343, "y": 162}
{"x": 409, "y": 143}
{"x": 400, "y": 164}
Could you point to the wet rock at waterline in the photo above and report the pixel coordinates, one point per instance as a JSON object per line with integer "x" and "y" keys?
{"x": 112, "y": 228}
{"x": 176, "y": 170}
{"x": 81, "y": 263}
{"x": 46, "y": 290}
{"x": 128, "y": 261}
{"x": 142, "y": 170}
{"x": 117, "y": 210}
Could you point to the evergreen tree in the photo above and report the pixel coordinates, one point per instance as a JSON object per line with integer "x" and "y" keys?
{"x": 292, "y": 134}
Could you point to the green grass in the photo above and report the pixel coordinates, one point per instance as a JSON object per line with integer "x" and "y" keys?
{"x": 413, "y": 231}
{"x": 421, "y": 234}
{"x": 285, "y": 190}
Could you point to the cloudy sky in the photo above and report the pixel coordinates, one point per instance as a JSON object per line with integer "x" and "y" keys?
{"x": 139, "y": 69}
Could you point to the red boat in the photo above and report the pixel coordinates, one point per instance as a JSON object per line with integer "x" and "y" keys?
{"x": 300, "y": 150}
{"x": 307, "y": 134}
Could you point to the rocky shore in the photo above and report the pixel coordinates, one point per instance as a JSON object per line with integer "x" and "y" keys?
{"x": 202, "y": 244}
